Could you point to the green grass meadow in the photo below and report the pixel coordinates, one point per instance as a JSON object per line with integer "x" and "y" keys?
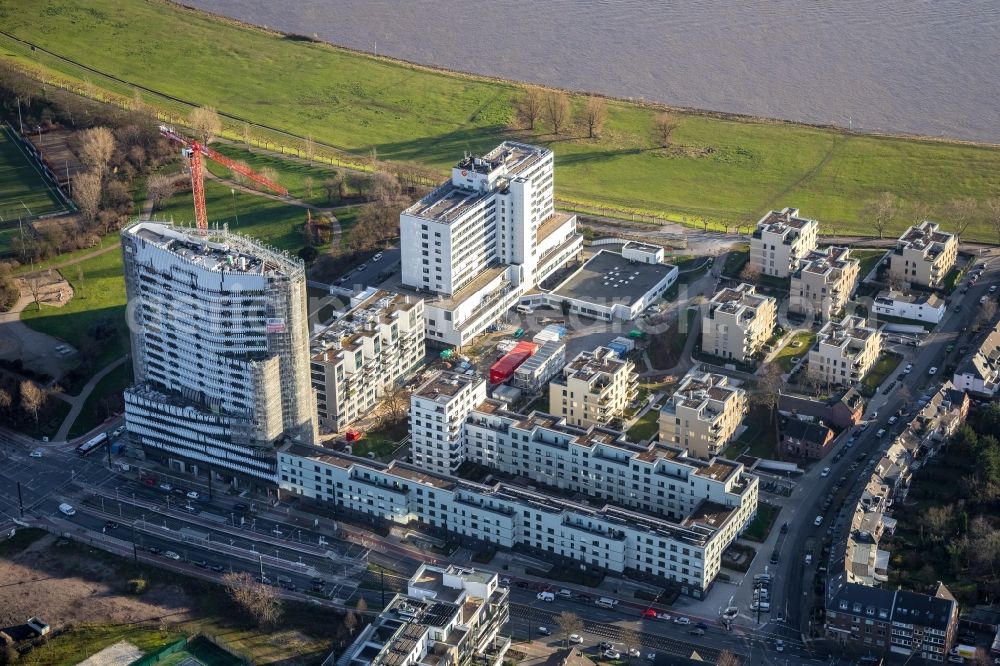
{"x": 24, "y": 193}
{"x": 725, "y": 170}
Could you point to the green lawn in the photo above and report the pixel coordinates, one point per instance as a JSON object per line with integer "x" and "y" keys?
{"x": 100, "y": 296}
{"x": 735, "y": 261}
{"x": 884, "y": 367}
{"x": 761, "y": 525}
{"x": 23, "y": 190}
{"x": 291, "y": 174}
{"x": 80, "y": 642}
{"x": 273, "y": 222}
{"x": 868, "y": 259}
{"x": 722, "y": 170}
{"x": 790, "y": 353}
{"x": 647, "y": 426}
{"x": 95, "y": 408}
{"x": 759, "y": 435}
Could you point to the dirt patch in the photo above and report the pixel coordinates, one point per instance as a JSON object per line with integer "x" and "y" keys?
{"x": 64, "y": 586}
{"x": 48, "y": 288}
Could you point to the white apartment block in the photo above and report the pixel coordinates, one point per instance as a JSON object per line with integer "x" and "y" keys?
{"x": 361, "y": 356}
{"x": 737, "y": 322}
{"x": 845, "y": 351}
{"x": 220, "y": 348}
{"x": 780, "y": 242}
{"x": 917, "y": 306}
{"x": 923, "y": 255}
{"x": 703, "y": 414}
{"x": 979, "y": 374}
{"x": 476, "y": 243}
{"x": 447, "y": 615}
{"x": 437, "y": 414}
{"x": 594, "y": 388}
{"x": 823, "y": 282}
{"x": 713, "y": 501}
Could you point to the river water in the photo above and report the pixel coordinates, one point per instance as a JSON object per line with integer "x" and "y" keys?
{"x": 920, "y": 66}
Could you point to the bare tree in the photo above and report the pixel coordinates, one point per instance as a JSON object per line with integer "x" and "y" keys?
{"x": 987, "y": 311}
{"x": 594, "y": 112}
{"x": 767, "y": 393}
{"x": 663, "y": 127}
{"x": 881, "y": 212}
{"x": 727, "y": 658}
{"x": 938, "y": 519}
{"x": 78, "y": 284}
{"x": 34, "y": 285}
{"x": 159, "y": 188}
{"x": 87, "y": 193}
{"x": 334, "y": 185}
{"x": 309, "y": 182}
{"x": 556, "y": 110}
{"x": 259, "y": 601}
{"x": 993, "y": 215}
{"x": 569, "y": 623}
{"x": 246, "y": 135}
{"x": 97, "y": 145}
{"x": 528, "y": 106}
{"x": 350, "y": 622}
{"x": 813, "y": 379}
{"x": 205, "y": 122}
{"x": 309, "y": 147}
{"x": 750, "y": 273}
{"x": 362, "y": 606}
{"x": 32, "y": 398}
{"x": 961, "y": 212}
{"x": 6, "y": 400}
{"x": 397, "y": 401}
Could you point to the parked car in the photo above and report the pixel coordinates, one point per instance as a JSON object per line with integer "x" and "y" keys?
{"x": 153, "y": 550}
{"x": 166, "y": 487}
{"x": 37, "y": 453}
{"x": 880, "y": 433}
{"x": 932, "y": 371}
{"x": 217, "y": 568}
{"x": 377, "y": 257}
{"x": 606, "y": 645}
{"x": 908, "y": 368}
{"x": 696, "y": 631}
{"x": 682, "y": 620}
{"x": 825, "y": 472}
{"x": 192, "y": 494}
{"x": 67, "y": 509}
{"x": 649, "y": 614}
{"x": 544, "y": 631}
{"x": 576, "y": 639}
{"x": 612, "y": 653}
{"x": 779, "y": 645}
{"x": 893, "y": 419}
{"x": 172, "y": 555}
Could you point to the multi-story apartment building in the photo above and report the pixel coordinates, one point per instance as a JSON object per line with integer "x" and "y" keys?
{"x": 476, "y": 243}
{"x": 923, "y": 255}
{"x": 919, "y": 306}
{"x": 823, "y": 282}
{"x": 437, "y": 414}
{"x": 534, "y": 374}
{"x": 361, "y": 356}
{"x": 845, "y": 351}
{"x": 447, "y": 615}
{"x": 711, "y": 501}
{"x": 979, "y": 373}
{"x": 737, "y": 322}
{"x": 594, "y": 388}
{"x": 220, "y": 347}
{"x": 703, "y": 414}
{"x": 780, "y": 242}
{"x": 897, "y": 621}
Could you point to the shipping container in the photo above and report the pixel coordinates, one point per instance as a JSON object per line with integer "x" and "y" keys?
{"x": 504, "y": 368}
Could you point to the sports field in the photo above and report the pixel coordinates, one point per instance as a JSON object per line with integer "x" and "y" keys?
{"x": 24, "y": 193}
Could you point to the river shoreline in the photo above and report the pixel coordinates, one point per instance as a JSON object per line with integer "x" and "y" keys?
{"x": 513, "y": 83}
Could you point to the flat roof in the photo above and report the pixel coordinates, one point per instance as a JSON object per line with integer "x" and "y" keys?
{"x": 445, "y": 386}
{"x": 608, "y": 277}
{"x": 451, "y": 302}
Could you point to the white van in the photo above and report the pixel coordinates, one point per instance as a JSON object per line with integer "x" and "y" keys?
{"x": 523, "y": 309}
{"x": 818, "y": 521}
{"x": 67, "y": 509}
{"x": 606, "y": 602}
{"x": 546, "y": 596}
{"x": 565, "y": 594}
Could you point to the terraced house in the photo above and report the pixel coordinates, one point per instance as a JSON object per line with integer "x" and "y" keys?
{"x": 845, "y": 351}
{"x": 923, "y": 255}
{"x": 781, "y": 241}
{"x": 594, "y": 388}
{"x": 823, "y": 282}
{"x": 737, "y": 322}
{"x": 360, "y": 357}
{"x": 703, "y": 414}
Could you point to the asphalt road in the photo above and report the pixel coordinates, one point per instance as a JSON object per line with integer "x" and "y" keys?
{"x": 792, "y": 591}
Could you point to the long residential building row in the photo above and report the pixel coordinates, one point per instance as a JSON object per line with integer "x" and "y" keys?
{"x": 658, "y": 513}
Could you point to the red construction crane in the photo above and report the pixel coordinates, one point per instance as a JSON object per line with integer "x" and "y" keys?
{"x": 196, "y": 151}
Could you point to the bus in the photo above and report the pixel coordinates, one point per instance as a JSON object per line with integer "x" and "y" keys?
{"x": 92, "y": 444}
